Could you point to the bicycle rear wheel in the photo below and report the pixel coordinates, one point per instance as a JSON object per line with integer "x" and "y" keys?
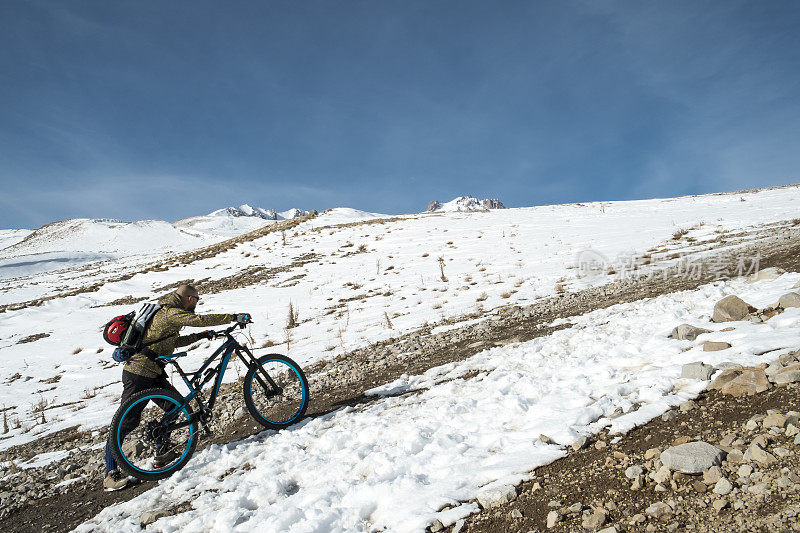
{"x": 281, "y": 400}
{"x": 152, "y": 435}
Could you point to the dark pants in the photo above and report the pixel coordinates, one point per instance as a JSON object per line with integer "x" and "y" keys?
{"x": 133, "y": 383}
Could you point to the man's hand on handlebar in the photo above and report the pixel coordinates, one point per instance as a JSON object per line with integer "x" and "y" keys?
{"x": 207, "y": 334}
{"x": 243, "y": 318}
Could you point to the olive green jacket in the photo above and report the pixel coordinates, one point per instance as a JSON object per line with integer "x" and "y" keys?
{"x": 167, "y": 322}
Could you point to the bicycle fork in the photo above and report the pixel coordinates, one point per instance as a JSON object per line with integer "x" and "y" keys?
{"x": 270, "y": 387}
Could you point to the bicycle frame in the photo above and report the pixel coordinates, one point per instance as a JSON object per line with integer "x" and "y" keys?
{"x": 197, "y": 379}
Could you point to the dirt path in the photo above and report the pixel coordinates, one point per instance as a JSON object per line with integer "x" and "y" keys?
{"x": 345, "y": 380}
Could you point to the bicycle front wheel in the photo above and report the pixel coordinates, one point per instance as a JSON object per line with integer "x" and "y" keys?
{"x": 280, "y": 398}
{"x": 153, "y": 434}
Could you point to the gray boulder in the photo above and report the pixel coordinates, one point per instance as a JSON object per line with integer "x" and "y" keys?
{"x": 715, "y": 346}
{"x": 495, "y": 497}
{"x": 785, "y": 377}
{"x": 148, "y": 517}
{"x": 692, "y": 457}
{"x": 687, "y": 332}
{"x": 723, "y": 487}
{"x": 697, "y": 370}
{"x": 790, "y": 299}
{"x": 731, "y": 308}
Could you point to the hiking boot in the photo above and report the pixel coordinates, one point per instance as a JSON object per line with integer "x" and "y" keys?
{"x": 162, "y": 460}
{"x": 115, "y": 481}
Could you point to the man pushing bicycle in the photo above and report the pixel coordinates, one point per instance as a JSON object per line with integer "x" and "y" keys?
{"x": 142, "y": 371}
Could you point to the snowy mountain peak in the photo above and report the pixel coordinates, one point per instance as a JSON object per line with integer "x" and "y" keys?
{"x": 466, "y": 204}
{"x": 245, "y": 210}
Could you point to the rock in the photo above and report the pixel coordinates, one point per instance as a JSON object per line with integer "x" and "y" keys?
{"x": 687, "y": 332}
{"x": 553, "y": 518}
{"x": 580, "y": 443}
{"x": 692, "y": 457}
{"x": 516, "y": 513}
{"x": 682, "y": 439}
{"x": 773, "y": 368}
{"x": 714, "y": 346}
{"x": 600, "y": 445}
{"x": 669, "y": 416}
{"x": 547, "y": 440}
{"x": 791, "y": 299}
{"x": 594, "y": 520}
{"x": 767, "y": 273}
{"x": 685, "y": 407}
{"x": 712, "y": 475}
{"x": 792, "y": 430}
{"x": 735, "y": 456}
{"x": 744, "y": 471}
{"x": 729, "y": 365}
{"x": 148, "y": 517}
{"x": 759, "y": 455}
{"x": 652, "y": 453}
{"x": 762, "y": 441}
{"x": 436, "y": 526}
{"x": 781, "y": 452}
{"x": 610, "y": 529}
{"x": 633, "y": 472}
{"x": 724, "y": 378}
{"x": 759, "y": 489}
{"x": 784, "y": 377}
{"x": 719, "y": 505}
{"x": 731, "y": 308}
{"x": 697, "y": 370}
{"x": 699, "y": 486}
{"x": 576, "y": 507}
{"x": 659, "y": 511}
{"x": 750, "y": 381}
{"x": 662, "y": 475}
{"x": 775, "y": 419}
{"x": 723, "y": 487}
{"x": 787, "y": 358}
{"x": 495, "y": 497}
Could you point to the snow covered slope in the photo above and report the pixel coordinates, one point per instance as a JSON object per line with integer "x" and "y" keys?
{"x": 76, "y": 242}
{"x": 396, "y": 463}
{"x": 345, "y": 272}
{"x": 9, "y": 237}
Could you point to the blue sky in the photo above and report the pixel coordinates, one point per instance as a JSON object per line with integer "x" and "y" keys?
{"x": 154, "y": 109}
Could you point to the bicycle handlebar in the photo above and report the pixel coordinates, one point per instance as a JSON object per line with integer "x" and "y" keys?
{"x": 227, "y": 331}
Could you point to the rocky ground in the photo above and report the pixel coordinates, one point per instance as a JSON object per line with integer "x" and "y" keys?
{"x": 744, "y": 474}
{"x": 62, "y": 494}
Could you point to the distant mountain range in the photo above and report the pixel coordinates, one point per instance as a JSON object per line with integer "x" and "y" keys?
{"x": 83, "y": 240}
